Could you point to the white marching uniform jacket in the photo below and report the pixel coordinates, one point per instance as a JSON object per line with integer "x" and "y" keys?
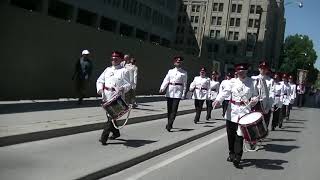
{"x": 113, "y": 78}
{"x": 263, "y": 85}
{"x": 301, "y": 89}
{"x": 293, "y": 94}
{"x": 278, "y": 93}
{"x": 223, "y": 85}
{"x": 214, "y": 89}
{"x": 175, "y": 83}
{"x": 287, "y": 93}
{"x": 200, "y": 87}
{"x": 133, "y": 74}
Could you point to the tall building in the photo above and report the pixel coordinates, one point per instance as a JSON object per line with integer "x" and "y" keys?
{"x": 232, "y": 31}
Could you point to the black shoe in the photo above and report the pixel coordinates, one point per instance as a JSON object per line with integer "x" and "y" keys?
{"x": 103, "y": 141}
{"x": 196, "y": 122}
{"x": 114, "y": 136}
{"x": 230, "y": 159}
{"x": 272, "y": 129}
{"x": 168, "y": 128}
{"x": 236, "y": 164}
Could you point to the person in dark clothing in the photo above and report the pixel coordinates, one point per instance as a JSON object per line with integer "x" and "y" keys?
{"x": 82, "y": 74}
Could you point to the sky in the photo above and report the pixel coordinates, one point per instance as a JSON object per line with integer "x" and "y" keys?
{"x": 305, "y": 21}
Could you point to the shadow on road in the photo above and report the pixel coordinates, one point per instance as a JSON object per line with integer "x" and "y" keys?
{"x": 271, "y": 164}
{"x": 287, "y": 130}
{"x": 206, "y": 122}
{"x": 57, "y": 105}
{"x": 277, "y": 139}
{"x": 132, "y": 142}
{"x": 181, "y": 130}
{"x": 278, "y": 148}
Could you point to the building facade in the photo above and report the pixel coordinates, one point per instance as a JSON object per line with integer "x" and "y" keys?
{"x": 232, "y": 31}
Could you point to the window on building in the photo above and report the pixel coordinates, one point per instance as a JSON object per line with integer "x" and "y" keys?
{"x": 193, "y": 8}
{"x": 86, "y": 17}
{"x": 230, "y": 35}
{"x": 252, "y": 8}
{"x": 198, "y": 8}
{"x": 196, "y": 19}
{"x": 251, "y": 39}
{"x": 220, "y": 7}
{"x": 256, "y": 23}
{"x": 219, "y": 20}
{"x": 217, "y": 34}
{"x": 236, "y": 36}
{"x": 108, "y": 24}
{"x": 140, "y": 34}
{"x": 192, "y": 19}
{"x": 258, "y": 9}
{"x": 239, "y": 9}
{"x": 231, "y": 22}
{"x": 31, "y": 5}
{"x": 126, "y": 30}
{"x": 213, "y": 20}
{"x": 233, "y": 8}
{"x": 195, "y": 30}
{"x": 60, "y": 10}
{"x": 215, "y": 7}
{"x": 212, "y": 35}
{"x": 238, "y": 22}
{"x": 250, "y": 24}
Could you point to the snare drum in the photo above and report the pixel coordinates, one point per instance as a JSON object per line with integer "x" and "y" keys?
{"x": 253, "y": 127}
{"x": 116, "y": 107}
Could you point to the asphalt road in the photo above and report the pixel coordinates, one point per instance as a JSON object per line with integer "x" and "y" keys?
{"x": 291, "y": 153}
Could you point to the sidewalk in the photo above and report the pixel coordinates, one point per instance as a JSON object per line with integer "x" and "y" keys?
{"x": 25, "y": 121}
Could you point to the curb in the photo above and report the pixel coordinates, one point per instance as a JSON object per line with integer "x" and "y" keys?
{"x": 41, "y": 135}
{"x": 136, "y": 160}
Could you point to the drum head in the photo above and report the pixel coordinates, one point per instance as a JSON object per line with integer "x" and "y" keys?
{"x": 250, "y": 118}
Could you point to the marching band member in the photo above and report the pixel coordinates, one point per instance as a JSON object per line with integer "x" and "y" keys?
{"x": 263, "y": 84}
{"x": 286, "y": 98}
{"x": 113, "y": 80}
{"x": 243, "y": 97}
{"x": 200, "y": 87}
{"x": 223, "y": 85}
{"x": 175, "y": 85}
{"x": 293, "y": 94}
{"x": 213, "y": 92}
{"x": 278, "y": 92}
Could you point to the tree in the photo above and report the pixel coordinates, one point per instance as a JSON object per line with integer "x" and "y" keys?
{"x": 298, "y": 53}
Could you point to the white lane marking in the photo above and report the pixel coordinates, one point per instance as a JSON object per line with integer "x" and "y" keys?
{"x": 174, "y": 158}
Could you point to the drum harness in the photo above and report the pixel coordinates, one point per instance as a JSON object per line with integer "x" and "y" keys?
{"x": 127, "y": 118}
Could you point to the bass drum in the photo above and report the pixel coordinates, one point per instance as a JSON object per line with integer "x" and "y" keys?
{"x": 253, "y": 127}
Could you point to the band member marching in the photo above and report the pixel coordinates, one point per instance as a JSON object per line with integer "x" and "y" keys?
{"x": 223, "y": 85}
{"x": 175, "y": 85}
{"x": 113, "y": 81}
{"x": 301, "y": 89}
{"x": 286, "y": 98}
{"x": 213, "y": 92}
{"x": 293, "y": 94}
{"x": 277, "y": 95}
{"x": 243, "y": 97}
{"x": 200, "y": 87}
{"x": 263, "y": 84}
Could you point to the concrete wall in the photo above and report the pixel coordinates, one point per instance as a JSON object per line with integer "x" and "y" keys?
{"x": 38, "y": 53}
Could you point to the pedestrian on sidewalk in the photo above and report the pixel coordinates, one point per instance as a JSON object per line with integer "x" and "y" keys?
{"x": 301, "y": 89}
{"x": 113, "y": 81}
{"x": 133, "y": 73}
{"x": 82, "y": 74}
{"x": 223, "y": 85}
{"x": 213, "y": 92}
{"x": 277, "y": 95}
{"x": 175, "y": 85}
{"x": 200, "y": 87}
{"x": 243, "y": 97}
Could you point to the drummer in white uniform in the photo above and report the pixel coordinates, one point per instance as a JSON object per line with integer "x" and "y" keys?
{"x": 277, "y": 95}
{"x": 243, "y": 97}
{"x": 263, "y": 84}
{"x": 286, "y": 98}
{"x": 200, "y": 87}
{"x": 213, "y": 92}
{"x": 223, "y": 85}
{"x": 293, "y": 94}
{"x": 175, "y": 85}
{"x": 113, "y": 81}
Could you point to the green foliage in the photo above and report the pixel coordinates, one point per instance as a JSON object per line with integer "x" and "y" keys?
{"x": 298, "y": 53}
